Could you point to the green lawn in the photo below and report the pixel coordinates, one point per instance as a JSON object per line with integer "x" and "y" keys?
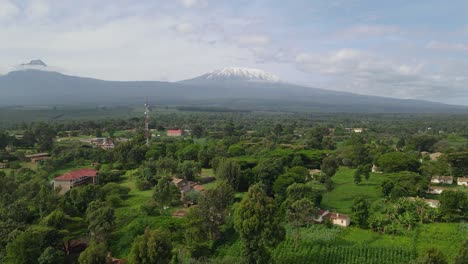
{"x": 345, "y": 190}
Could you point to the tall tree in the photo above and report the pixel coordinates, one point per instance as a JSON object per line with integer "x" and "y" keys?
{"x": 95, "y": 253}
{"x": 214, "y": 206}
{"x": 165, "y": 194}
{"x": 229, "y": 171}
{"x": 51, "y": 256}
{"x": 329, "y": 166}
{"x": 259, "y": 226}
{"x": 154, "y": 246}
{"x": 360, "y": 209}
{"x": 299, "y": 214}
{"x": 188, "y": 170}
{"x": 101, "y": 220}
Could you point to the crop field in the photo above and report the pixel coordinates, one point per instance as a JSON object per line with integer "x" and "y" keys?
{"x": 345, "y": 190}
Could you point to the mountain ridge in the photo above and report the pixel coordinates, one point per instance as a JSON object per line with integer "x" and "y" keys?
{"x": 38, "y": 87}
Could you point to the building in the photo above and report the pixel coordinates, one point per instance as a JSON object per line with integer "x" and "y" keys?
{"x": 185, "y": 186}
{"x": 37, "y": 157}
{"x": 103, "y": 143}
{"x": 313, "y": 173}
{"x": 435, "y": 156}
{"x": 462, "y": 181}
{"x": 3, "y": 165}
{"x": 435, "y": 190}
{"x": 179, "y": 183}
{"x": 174, "y": 133}
{"x": 358, "y": 130}
{"x": 75, "y": 178}
{"x": 375, "y": 169}
{"x": 442, "y": 179}
{"x": 335, "y": 218}
{"x": 430, "y": 202}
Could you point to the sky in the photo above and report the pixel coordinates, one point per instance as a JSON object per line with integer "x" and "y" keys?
{"x": 405, "y": 49}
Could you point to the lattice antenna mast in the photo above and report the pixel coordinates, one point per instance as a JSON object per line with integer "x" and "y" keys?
{"x": 147, "y": 131}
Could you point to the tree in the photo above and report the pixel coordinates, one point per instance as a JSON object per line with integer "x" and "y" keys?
{"x": 95, "y": 253}
{"x": 422, "y": 142}
{"x": 165, "y": 194}
{"x": 360, "y": 209}
{"x": 357, "y": 175}
{"x": 28, "y": 246}
{"x": 267, "y": 171}
{"x": 404, "y": 184}
{"x": 197, "y": 131}
{"x": 154, "y": 246}
{"x": 281, "y": 185}
{"x": 454, "y": 205}
{"x": 458, "y": 162}
{"x": 213, "y": 207}
{"x": 100, "y": 219}
{"x": 258, "y": 224}
{"x": 432, "y": 256}
{"x": 51, "y": 256}
{"x": 298, "y": 191}
{"x": 398, "y": 161}
{"x": 366, "y": 171}
{"x": 188, "y": 169}
{"x": 25, "y": 248}
{"x": 229, "y": 171}
{"x": 329, "y": 166}
{"x": 298, "y": 215}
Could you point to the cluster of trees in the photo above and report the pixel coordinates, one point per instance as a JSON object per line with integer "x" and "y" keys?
{"x": 268, "y": 156}
{"x": 35, "y": 220}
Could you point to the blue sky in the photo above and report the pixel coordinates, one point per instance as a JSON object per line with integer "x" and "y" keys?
{"x": 404, "y": 49}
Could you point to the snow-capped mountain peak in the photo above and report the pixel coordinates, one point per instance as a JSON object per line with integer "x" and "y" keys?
{"x": 35, "y": 63}
{"x": 241, "y": 74}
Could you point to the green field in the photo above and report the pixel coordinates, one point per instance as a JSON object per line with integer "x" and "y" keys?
{"x": 345, "y": 190}
{"x": 353, "y": 245}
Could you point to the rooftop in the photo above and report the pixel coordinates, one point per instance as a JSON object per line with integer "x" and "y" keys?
{"x": 72, "y": 175}
{"x": 37, "y": 155}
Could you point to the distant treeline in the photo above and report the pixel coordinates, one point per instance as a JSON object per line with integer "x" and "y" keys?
{"x": 210, "y": 109}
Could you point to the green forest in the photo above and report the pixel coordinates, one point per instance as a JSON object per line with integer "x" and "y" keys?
{"x": 223, "y": 186}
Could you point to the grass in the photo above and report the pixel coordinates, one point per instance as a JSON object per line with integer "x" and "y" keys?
{"x": 457, "y": 141}
{"x": 345, "y": 190}
{"x": 132, "y": 222}
{"x": 447, "y": 237}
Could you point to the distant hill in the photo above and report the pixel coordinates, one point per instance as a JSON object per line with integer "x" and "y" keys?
{"x": 247, "y": 89}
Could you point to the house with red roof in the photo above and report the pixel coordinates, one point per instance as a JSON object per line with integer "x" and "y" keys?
{"x": 174, "y": 133}
{"x": 75, "y": 178}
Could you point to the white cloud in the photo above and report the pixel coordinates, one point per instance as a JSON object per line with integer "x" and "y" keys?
{"x": 253, "y": 40}
{"x": 184, "y": 28}
{"x": 445, "y": 46}
{"x": 37, "y": 9}
{"x": 191, "y": 3}
{"x": 7, "y": 9}
{"x": 370, "y": 30}
{"x": 365, "y": 73}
